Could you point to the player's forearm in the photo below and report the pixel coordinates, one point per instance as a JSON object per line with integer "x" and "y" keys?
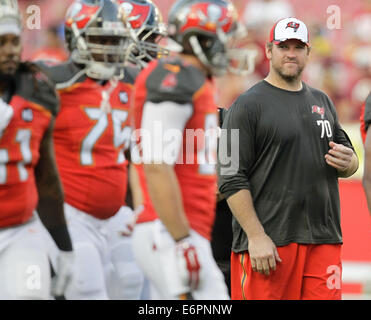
{"x": 51, "y": 213}
{"x": 51, "y": 197}
{"x": 352, "y": 168}
{"x": 366, "y": 181}
{"x": 49, "y": 186}
{"x": 135, "y": 187}
{"x": 166, "y": 197}
{"x": 242, "y": 207}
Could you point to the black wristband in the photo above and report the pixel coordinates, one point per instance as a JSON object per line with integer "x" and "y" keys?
{"x": 61, "y": 237}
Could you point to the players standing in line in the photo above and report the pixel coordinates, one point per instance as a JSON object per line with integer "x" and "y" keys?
{"x": 91, "y": 133}
{"x": 174, "y": 96}
{"x": 365, "y": 123}
{"x": 28, "y": 176}
{"x": 282, "y": 186}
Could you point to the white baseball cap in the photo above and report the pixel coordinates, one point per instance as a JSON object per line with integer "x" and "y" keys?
{"x": 10, "y": 18}
{"x": 10, "y": 27}
{"x": 289, "y": 28}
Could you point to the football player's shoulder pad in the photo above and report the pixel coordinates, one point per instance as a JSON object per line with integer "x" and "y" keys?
{"x": 37, "y": 88}
{"x": 173, "y": 80}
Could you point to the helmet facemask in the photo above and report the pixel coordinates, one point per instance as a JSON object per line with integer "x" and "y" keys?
{"x": 221, "y": 53}
{"x": 241, "y": 60}
{"x": 102, "y": 51}
{"x": 211, "y": 50}
{"x": 147, "y": 28}
{"x": 148, "y": 43}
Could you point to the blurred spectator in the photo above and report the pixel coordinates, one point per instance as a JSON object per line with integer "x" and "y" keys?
{"x": 362, "y": 22}
{"x": 49, "y": 13}
{"x": 325, "y": 70}
{"x": 53, "y": 51}
{"x": 261, "y": 14}
{"x": 357, "y": 54}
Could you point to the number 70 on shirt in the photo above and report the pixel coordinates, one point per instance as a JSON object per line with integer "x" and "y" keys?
{"x": 325, "y": 128}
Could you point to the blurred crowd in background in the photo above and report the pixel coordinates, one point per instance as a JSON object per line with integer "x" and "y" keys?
{"x": 340, "y": 36}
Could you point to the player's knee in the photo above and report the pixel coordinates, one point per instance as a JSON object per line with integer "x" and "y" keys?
{"x": 129, "y": 275}
{"x": 131, "y": 281}
{"x": 88, "y": 277}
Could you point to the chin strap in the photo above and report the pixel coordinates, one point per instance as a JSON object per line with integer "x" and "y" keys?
{"x": 105, "y": 105}
{"x": 60, "y": 86}
{"x": 100, "y": 71}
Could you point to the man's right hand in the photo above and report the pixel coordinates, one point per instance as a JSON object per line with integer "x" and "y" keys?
{"x": 188, "y": 263}
{"x": 263, "y": 254}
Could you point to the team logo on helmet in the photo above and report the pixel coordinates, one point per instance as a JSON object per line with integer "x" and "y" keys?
{"x": 74, "y": 10}
{"x": 127, "y": 9}
{"x": 207, "y": 16}
{"x": 81, "y": 14}
{"x": 214, "y": 13}
{"x": 293, "y": 25}
{"x": 136, "y": 14}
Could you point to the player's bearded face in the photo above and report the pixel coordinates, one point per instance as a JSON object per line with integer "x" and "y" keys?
{"x": 10, "y": 56}
{"x": 289, "y": 59}
{"x": 112, "y": 42}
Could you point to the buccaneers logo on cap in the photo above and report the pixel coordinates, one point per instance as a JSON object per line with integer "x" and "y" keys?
{"x": 293, "y": 25}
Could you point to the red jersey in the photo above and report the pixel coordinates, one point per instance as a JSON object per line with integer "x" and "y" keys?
{"x": 172, "y": 80}
{"x": 19, "y": 148}
{"x": 90, "y": 143}
{"x": 365, "y": 118}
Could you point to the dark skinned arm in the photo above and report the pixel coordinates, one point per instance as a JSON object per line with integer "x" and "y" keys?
{"x": 51, "y": 198}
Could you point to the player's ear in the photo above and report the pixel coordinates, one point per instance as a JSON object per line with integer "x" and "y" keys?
{"x": 268, "y": 50}
{"x": 309, "y": 49}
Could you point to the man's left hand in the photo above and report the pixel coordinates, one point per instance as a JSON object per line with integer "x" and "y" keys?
{"x": 64, "y": 270}
{"x": 339, "y": 156}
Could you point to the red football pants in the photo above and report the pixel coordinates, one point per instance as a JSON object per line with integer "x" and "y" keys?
{"x": 308, "y": 272}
